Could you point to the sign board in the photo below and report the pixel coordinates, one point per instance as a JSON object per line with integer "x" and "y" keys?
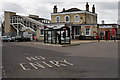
{"x": 64, "y": 28}
{"x": 107, "y": 26}
{"x": 41, "y": 27}
{"x": 87, "y": 26}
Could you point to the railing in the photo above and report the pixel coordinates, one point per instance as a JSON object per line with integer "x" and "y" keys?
{"x": 22, "y": 23}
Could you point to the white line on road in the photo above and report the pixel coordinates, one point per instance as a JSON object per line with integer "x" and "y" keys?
{"x": 4, "y": 73}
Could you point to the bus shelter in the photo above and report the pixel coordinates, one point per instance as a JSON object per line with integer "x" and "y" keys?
{"x": 55, "y": 35}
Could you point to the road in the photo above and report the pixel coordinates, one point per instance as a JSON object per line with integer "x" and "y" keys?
{"x": 92, "y": 60}
{"x": 0, "y": 59}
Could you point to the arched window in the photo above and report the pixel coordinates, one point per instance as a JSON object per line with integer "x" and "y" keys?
{"x": 76, "y": 18}
{"x": 67, "y": 19}
{"x": 57, "y": 19}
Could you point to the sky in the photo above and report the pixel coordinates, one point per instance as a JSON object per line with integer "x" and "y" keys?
{"x": 107, "y": 10}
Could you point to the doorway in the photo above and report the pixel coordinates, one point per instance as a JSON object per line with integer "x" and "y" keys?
{"x": 107, "y": 35}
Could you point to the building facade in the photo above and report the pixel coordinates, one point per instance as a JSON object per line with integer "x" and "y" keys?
{"x": 108, "y": 31}
{"x": 18, "y": 25}
{"x": 82, "y": 22}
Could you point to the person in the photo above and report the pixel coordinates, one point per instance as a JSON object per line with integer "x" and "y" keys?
{"x": 59, "y": 38}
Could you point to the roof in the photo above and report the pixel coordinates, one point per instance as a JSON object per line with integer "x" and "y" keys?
{"x": 72, "y": 10}
{"x": 39, "y": 18}
{"x": 55, "y": 25}
{"x": 108, "y": 24}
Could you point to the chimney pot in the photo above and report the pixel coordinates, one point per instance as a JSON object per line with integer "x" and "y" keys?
{"x": 93, "y": 9}
{"x": 55, "y": 9}
{"x": 87, "y": 6}
{"x": 63, "y": 10}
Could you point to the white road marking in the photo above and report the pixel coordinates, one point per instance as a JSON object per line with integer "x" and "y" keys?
{"x": 31, "y": 58}
{"x": 47, "y": 64}
{"x": 65, "y": 61}
{"x": 4, "y": 73}
{"x": 55, "y": 63}
{"x": 37, "y": 62}
{"x": 23, "y": 67}
{"x": 36, "y": 65}
{"x": 39, "y": 57}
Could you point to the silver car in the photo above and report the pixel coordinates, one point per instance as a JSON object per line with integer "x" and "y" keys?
{"x": 6, "y": 38}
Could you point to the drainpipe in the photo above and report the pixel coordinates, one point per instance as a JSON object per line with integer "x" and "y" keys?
{"x": 85, "y": 17}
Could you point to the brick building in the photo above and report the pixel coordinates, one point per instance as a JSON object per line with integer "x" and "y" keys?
{"x": 81, "y": 22}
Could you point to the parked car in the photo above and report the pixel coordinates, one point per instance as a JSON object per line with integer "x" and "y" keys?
{"x": 6, "y": 38}
{"x": 12, "y": 39}
{"x": 22, "y": 38}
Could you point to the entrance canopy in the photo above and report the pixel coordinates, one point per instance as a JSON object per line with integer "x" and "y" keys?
{"x": 57, "y": 34}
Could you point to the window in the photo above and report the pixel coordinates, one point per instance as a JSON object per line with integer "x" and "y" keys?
{"x": 57, "y": 19}
{"x": 67, "y": 18}
{"x": 76, "y": 18}
{"x": 42, "y": 32}
{"x": 77, "y": 31}
{"x": 87, "y": 31}
{"x": 91, "y": 19}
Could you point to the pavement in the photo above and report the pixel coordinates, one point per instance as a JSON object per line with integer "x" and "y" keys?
{"x": 73, "y": 42}
{"x": 92, "y": 60}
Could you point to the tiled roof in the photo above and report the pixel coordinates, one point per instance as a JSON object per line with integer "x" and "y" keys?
{"x": 72, "y": 10}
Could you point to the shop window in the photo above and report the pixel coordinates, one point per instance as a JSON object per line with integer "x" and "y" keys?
{"x": 76, "y": 18}
{"x": 87, "y": 31}
{"x": 57, "y": 19}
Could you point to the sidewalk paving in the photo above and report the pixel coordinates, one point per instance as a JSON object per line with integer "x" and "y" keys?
{"x": 90, "y": 41}
{"x": 73, "y": 42}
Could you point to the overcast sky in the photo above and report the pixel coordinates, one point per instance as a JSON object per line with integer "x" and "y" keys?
{"x": 107, "y": 10}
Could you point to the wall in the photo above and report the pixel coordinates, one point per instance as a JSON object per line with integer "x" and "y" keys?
{"x": 92, "y": 28}
{"x": 38, "y": 37}
{"x": 8, "y": 28}
{"x": 88, "y": 18}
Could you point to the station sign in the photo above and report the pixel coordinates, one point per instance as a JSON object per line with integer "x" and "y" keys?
{"x": 106, "y": 26}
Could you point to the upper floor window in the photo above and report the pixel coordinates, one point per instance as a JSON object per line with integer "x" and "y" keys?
{"x": 57, "y": 19}
{"x": 91, "y": 19}
{"x": 76, "y": 18}
{"x": 67, "y": 19}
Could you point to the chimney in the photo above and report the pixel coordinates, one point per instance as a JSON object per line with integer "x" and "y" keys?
{"x": 87, "y": 7}
{"x": 103, "y": 22}
{"x": 63, "y": 10}
{"x": 93, "y": 9}
{"x": 55, "y": 9}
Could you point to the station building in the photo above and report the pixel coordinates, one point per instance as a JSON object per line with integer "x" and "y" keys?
{"x": 82, "y": 23}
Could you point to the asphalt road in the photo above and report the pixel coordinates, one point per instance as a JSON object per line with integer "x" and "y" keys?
{"x": 92, "y": 60}
{"x": 0, "y": 59}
